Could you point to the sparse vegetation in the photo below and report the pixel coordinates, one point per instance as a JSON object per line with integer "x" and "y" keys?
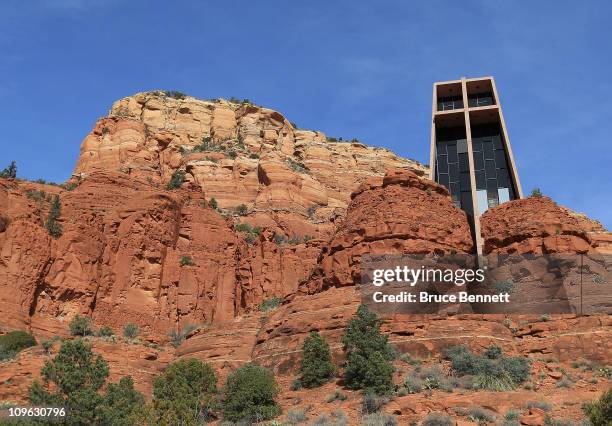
{"x": 497, "y": 373}
{"x": 70, "y": 186}
{"x": 437, "y": 419}
{"x": 53, "y": 227}
{"x": 270, "y": 304}
{"x": 36, "y": 195}
{"x": 251, "y": 232}
{"x": 369, "y": 354}
{"x": 80, "y": 326}
{"x": 296, "y": 166}
{"x": 379, "y": 419}
{"x": 372, "y": 403}
{"x": 106, "y": 331}
{"x": 242, "y": 210}
{"x": 250, "y": 395}
{"x": 599, "y": 412}
{"x": 177, "y": 179}
{"x": 174, "y": 94}
{"x": 213, "y": 203}
{"x": 14, "y": 342}
{"x": 535, "y": 192}
{"x": 130, "y": 330}
{"x": 186, "y": 261}
{"x": 317, "y": 367}
{"x": 296, "y": 416}
{"x": 10, "y": 172}
{"x": 481, "y": 415}
{"x": 254, "y": 156}
{"x": 177, "y": 337}
{"x": 542, "y": 405}
{"x": 336, "y": 396}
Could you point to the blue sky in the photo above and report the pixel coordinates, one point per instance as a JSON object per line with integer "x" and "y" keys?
{"x": 359, "y": 69}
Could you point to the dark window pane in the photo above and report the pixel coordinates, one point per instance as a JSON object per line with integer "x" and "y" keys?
{"x": 443, "y": 179}
{"x": 503, "y": 180}
{"x": 477, "y": 145}
{"x": 488, "y": 150}
{"x": 454, "y": 189}
{"x": 490, "y": 169}
{"x": 463, "y": 163}
{"x": 497, "y": 143}
{"x": 441, "y": 148}
{"x": 442, "y": 164}
{"x": 452, "y": 153}
{"x": 492, "y": 186}
{"x": 453, "y": 170}
{"x": 465, "y": 181}
{"x": 478, "y": 161}
{"x": 481, "y": 182}
{"x": 500, "y": 159}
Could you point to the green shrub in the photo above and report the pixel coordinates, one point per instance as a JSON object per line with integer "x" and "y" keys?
{"x": 73, "y": 380}
{"x": 599, "y": 412}
{"x": 437, "y": 419}
{"x": 250, "y": 394}
{"x": 177, "y": 179}
{"x": 70, "y": 186}
{"x": 106, "y": 331}
{"x": 296, "y": 166}
{"x": 498, "y": 373}
{"x": 80, "y": 326}
{"x": 254, "y": 156}
{"x": 317, "y": 367}
{"x": 296, "y": 385}
{"x": 535, "y": 192}
{"x": 10, "y": 172}
{"x": 184, "y": 392}
{"x": 213, "y": 203}
{"x": 242, "y": 210}
{"x": 130, "y": 330}
{"x": 379, "y": 419}
{"x": 53, "y": 227}
{"x": 13, "y": 342}
{"x": 232, "y": 154}
{"x": 175, "y": 94}
{"x": 369, "y": 354}
{"x": 186, "y": 261}
{"x": 270, "y": 304}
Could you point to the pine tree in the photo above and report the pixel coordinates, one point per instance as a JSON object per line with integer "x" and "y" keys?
{"x": 317, "y": 366}
{"x": 369, "y": 354}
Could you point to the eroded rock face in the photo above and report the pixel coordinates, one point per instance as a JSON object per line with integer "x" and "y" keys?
{"x": 533, "y": 225}
{"x": 400, "y": 213}
{"x": 245, "y": 154}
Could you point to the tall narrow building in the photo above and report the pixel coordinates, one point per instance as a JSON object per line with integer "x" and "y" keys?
{"x": 470, "y": 148}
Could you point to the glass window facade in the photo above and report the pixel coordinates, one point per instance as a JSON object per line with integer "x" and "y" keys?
{"x": 452, "y": 166}
{"x": 490, "y": 167}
